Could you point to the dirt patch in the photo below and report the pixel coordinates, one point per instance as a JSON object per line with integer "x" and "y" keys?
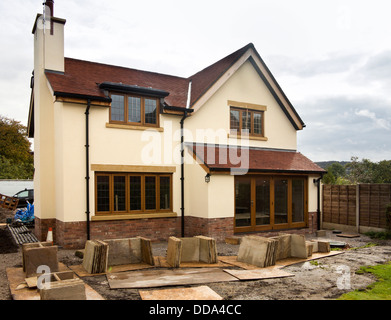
{"x": 7, "y": 243}
{"x": 324, "y": 279}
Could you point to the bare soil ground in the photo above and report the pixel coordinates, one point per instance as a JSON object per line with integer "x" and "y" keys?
{"x": 326, "y": 279}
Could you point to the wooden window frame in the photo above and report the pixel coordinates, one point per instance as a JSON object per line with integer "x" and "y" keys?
{"x": 142, "y": 111}
{"x": 251, "y": 133}
{"x": 143, "y": 209}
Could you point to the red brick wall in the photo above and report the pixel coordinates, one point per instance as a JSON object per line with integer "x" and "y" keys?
{"x": 73, "y": 235}
{"x": 218, "y": 228}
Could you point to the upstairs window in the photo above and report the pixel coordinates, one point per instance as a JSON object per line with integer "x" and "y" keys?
{"x": 247, "y": 122}
{"x": 134, "y": 110}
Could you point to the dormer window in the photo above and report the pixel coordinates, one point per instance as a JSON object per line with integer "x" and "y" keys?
{"x": 134, "y": 110}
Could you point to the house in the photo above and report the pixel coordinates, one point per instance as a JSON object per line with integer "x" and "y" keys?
{"x": 121, "y": 152}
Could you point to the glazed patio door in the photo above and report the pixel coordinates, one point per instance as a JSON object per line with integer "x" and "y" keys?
{"x": 252, "y": 203}
{"x": 270, "y": 202}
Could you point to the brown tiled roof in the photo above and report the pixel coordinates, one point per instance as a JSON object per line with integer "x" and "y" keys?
{"x": 83, "y": 78}
{"x": 204, "y": 79}
{"x": 224, "y": 158}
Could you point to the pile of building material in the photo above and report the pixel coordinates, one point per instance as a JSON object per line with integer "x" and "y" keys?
{"x": 129, "y": 251}
{"x": 95, "y": 256}
{"x": 258, "y": 251}
{"x": 40, "y": 269}
{"x": 63, "y": 286}
{"x": 264, "y": 252}
{"x": 191, "y": 249}
{"x": 35, "y": 255}
{"x": 100, "y": 255}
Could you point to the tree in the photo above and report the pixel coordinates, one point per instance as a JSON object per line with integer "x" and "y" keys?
{"x": 360, "y": 171}
{"x": 335, "y": 174}
{"x": 16, "y": 160}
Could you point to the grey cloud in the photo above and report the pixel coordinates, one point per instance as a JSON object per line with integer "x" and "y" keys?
{"x": 376, "y": 68}
{"x": 303, "y": 67}
{"x": 340, "y": 127}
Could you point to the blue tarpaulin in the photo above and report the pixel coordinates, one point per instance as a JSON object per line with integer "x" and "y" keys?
{"x": 25, "y": 215}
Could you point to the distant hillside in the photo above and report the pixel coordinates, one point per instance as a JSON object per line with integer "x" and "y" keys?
{"x": 325, "y": 164}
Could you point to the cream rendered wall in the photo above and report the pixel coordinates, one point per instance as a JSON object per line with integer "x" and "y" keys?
{"x": 70, "y": 162}
{"x": 197, "y": 196}
{"x": 113, "y": 146}
{"x": 244, "y": 86}
{"x": 48, "y": 54}
{"x": 312, "y": 194}
{"x": 221, "y": 190}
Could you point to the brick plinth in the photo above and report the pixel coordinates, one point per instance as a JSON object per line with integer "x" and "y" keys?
{"x": 73, "y": 235}
{"x": 218, "y": 228}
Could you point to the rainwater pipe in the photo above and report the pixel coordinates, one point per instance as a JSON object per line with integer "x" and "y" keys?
{"x": 87, "y": 113}
{"x": 185, "y": 115}
{"x": 317, "y": 182}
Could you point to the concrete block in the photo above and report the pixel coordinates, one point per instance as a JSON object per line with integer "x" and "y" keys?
{"x": 323, "y": 246}
{"x": 298, "y": 246}
{"x": 26, "y": 246}
{"x": 34, "y": 257}
{"x": 72, "y": 289}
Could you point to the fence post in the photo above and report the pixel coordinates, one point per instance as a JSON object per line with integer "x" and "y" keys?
{"x": 358, "y": 207}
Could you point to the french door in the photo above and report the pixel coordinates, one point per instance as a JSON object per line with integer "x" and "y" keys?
{"x": 270, "y": 202}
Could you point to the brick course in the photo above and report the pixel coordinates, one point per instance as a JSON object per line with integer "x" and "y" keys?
{"x": 73, "y": 235}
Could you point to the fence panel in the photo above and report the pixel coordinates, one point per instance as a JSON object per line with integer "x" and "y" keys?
{"x": 340, "y": 204}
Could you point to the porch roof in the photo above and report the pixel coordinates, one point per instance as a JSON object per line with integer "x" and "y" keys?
{"x": 221, "y": 158}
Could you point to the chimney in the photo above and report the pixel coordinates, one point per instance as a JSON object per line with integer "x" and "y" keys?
{"x": 48, "y": 46}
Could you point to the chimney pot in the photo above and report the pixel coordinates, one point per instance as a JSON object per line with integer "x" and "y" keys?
{"x": 50, "y": 5}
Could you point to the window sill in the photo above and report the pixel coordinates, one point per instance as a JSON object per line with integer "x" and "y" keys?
{"x": 134, "y": 216}
{"x": 235, "y": 136}
{"x": 132, "y": 127}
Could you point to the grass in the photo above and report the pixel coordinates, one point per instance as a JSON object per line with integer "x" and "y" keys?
{"x": 385, "y": 235}
{"x": 379, "y": 290}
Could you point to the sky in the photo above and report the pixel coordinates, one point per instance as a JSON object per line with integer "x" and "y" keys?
{"x": 331, "y": 58}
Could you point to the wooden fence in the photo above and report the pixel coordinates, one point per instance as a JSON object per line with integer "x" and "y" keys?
{"x": 355, "y": 206}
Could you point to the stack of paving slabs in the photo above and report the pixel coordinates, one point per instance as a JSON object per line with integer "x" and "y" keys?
{"x": 129, "y": 251}
{"x": 95, "y": 256}
{"x": 258, "y": 251}
{"x": 191, "y": 249}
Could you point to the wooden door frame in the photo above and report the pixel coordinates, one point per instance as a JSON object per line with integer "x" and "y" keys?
{"x": 272, "y": 226}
